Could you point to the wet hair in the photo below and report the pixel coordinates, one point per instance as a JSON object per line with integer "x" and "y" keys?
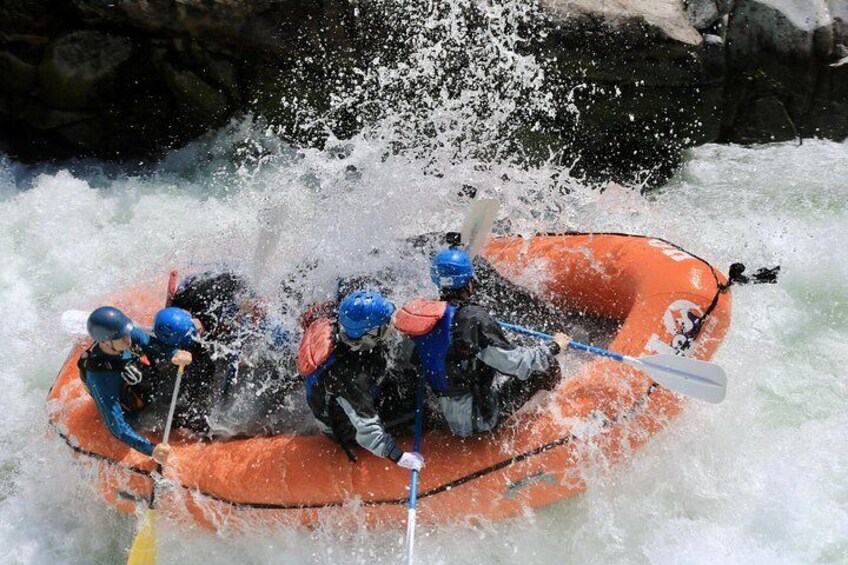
{"x": 211, "y": 297}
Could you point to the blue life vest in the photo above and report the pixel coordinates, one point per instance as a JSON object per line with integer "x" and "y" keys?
{"x": 428, "y": 323}
{"x": 433, "y": 351}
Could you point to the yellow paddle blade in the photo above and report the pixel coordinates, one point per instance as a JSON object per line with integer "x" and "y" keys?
{"x": 143, "y": 550}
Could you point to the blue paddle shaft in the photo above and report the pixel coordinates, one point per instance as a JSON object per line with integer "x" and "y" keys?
{"x": 413, "y": 491}
{"x": 571, "y": 344}
{"x": 413, "y": 482}
{"x": 416, "y": 445}
{"x": 698, "y": 379}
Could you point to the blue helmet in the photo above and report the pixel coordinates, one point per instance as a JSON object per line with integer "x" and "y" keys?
{"x": 108, "y": 323}
{"x": 174, "y": 327}
{"x": 362, "y": 311}
{"x": 451, "y": 268}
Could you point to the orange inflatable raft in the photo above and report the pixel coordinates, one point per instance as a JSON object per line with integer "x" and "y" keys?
{"x": 655, "y": 289}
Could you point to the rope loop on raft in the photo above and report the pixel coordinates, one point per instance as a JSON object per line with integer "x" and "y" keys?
{"x": 735, "y": 276}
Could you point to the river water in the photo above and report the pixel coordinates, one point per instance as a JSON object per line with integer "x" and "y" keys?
{"x": 760, "y": 478}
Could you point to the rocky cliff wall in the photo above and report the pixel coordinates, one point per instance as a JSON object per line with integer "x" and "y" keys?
{"x": 631, "y": 82}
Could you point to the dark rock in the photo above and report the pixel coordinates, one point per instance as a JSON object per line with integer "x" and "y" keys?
{"x": 41, "y": 116}
{"x": 33, "y": 20}
{"x": 193, "y": 96}
{"x": 760, "y": 27}
{"x": 704, "y": 14}
{"x": 188, "y": 18}
{"x": 80, "y": 69}
{"x": 765, "y": 119}
{"x": 710, "y": 97}
{"x": 633, "y": 82}
{"x": 637, "y": 75}
{"x": 827, "y": 115}
{"x": 780, "y": 83}
{"x": 16, "y": 76}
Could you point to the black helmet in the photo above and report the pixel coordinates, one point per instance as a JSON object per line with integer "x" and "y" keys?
{"x": 108, "y": 323}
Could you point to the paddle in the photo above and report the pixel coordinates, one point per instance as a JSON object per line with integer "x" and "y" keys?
{"x": 478, "y": 224}
{"x": 413, "y": 482}
{"x": 74, "y": 322}
{"x": 271, "y": 225}
{"x": 692, "y": 377}
{"x": 143, "y": 550}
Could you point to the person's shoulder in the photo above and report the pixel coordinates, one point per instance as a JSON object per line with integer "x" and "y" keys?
{"x": 155, "y": 348}
{"x": 475, "y": 312}
{"x": 474, "y": 307}
{"x": 101, "y": 370}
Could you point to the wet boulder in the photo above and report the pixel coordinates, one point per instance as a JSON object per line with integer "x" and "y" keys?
{"x": 704, "y": 14}
{"x": 658, "y": 20}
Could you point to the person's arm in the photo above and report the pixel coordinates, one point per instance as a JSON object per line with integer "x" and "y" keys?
{"x": 105, "y": 388}
{"x": 370, "y": 433}
{"x": 157, "y": 351}
{"x": 495, "y": 350}
{"x": 520, "y": 362}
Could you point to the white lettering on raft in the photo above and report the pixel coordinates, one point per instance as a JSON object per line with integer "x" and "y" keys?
{"x": 669, "y": 250}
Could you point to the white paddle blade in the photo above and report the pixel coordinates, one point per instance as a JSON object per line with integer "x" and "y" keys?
{"x": 478, "y": 224}
{"x": 74, "y": 322}
{"x": 271, "y": 222}
{"x": 692, "y": 377}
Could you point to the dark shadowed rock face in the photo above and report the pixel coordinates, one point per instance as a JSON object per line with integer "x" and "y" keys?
{"x": 631, "y": 82}
{"x": 780, "y": 55}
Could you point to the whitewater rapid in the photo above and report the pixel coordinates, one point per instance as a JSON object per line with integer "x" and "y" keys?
{"x": 760, "y": 478}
